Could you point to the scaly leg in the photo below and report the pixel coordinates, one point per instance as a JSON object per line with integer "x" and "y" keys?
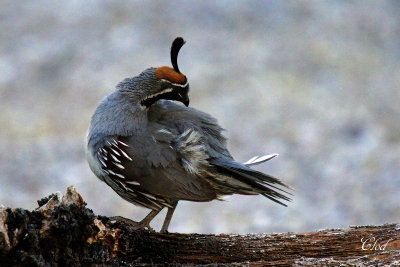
{"x": 168, "y": 217}
{"x": 145, "y": 223}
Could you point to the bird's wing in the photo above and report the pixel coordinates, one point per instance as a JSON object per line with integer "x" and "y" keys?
{"x": 179, "y": 118}
{"x": 226, "y": 175}
{"x": 116, "y": 160}
{"x": 146, "y": 170}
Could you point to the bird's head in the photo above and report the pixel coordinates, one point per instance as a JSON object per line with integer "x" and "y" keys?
{"x": 163, "y": 82}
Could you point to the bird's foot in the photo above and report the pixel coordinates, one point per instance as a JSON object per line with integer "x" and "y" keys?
{"x": 115, "y": 219}
{"x": 133, "y": 224}
{"x": 143, "y": 225}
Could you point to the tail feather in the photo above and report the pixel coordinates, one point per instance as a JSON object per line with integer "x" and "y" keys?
{"x": 262, "y": 183}
{"x": 258, "y": 160}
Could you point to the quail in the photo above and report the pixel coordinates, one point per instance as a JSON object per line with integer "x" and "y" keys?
{"x": 153, "y": 151}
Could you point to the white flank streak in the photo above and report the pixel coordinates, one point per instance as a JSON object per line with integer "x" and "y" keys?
{"x": 108, "y": 142}
{"x": 148, "y": 195}
{"x": 167, "y": 205}
{"x": 115, "y": 142}
{"x": 122, "y": 184}
{"x": 125, "y": 155}
{"x": 117, "y": 174}
{"x": 130, "y": 190}
{"x": 119, "y": 165}
{"x": 117, "y": 160}
{"x": 155, "y": 203}
{"x": 120, "y": 175}
{"x": 132, "y": 182}
{"x": 102, "y": 162}
{"x": 122, "y": 143}
{"x": 140, "y": 202}
{"x": 113, "y": 150}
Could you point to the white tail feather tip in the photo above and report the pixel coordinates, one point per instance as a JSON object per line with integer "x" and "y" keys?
{"x": 251, "y": 160}
{"x": 257, "y": 160}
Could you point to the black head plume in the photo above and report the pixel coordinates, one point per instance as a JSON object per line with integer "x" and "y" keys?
{"x": 175, "y": 47}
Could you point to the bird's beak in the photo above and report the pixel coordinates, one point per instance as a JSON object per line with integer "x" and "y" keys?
{"x": 184, "y": 98}
{"x": 182, "y": 94}
{"x": 179, "y": 93}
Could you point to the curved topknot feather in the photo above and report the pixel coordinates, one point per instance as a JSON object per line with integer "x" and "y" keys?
{"x": 175, "y": 47}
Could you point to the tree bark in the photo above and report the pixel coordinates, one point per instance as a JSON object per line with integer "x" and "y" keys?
{"x": 62, "y": 231}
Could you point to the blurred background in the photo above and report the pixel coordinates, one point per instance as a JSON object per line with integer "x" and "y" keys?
{"x": 317, "y": 82}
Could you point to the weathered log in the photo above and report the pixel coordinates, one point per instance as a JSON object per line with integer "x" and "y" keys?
{"x": 62, "y": 231}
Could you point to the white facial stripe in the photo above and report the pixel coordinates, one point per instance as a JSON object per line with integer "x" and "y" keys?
{"x": 168, "y": 90}
{"x": 176, "y": 84}
{"x": 180, "y": 85}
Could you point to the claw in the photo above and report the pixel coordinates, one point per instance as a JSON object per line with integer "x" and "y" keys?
{"x": 143, "y": 224}
{"x": 115, "y": 219}
{"x": 133, "y": 224}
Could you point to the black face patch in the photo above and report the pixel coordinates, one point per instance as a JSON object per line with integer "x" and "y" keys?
{"x": 170, "y": 92}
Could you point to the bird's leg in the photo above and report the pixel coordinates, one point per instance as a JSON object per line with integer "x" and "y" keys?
{"x": 168, "y": 217}
{"x": 145, "y": 223}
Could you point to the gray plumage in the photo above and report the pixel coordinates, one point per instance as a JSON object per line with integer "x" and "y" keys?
{"x": 154, "y": 152}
